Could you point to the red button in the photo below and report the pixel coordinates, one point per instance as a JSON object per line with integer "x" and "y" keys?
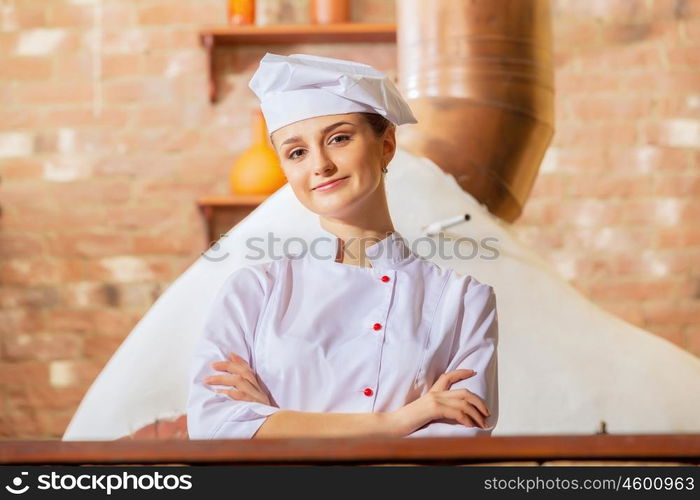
{"x": 368, "y": 392}
{"x": 385, "y": 278}
{"x": 377, "y": 326}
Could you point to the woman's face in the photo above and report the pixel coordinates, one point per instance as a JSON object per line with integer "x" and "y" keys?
{"x": 325, "y": 148}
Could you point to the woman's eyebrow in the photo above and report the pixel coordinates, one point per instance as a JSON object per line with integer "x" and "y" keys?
{"x": 324, "y": 131}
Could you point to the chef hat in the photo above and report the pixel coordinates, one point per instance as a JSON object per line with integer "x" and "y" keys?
{"x": 300, "y": 86}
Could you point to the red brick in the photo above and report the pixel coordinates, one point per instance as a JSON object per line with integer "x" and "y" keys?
{"x": 23, "y": 15}
{"x": 609, "y": 240}
{"x": 95, "y": 219}
{"x": 678, "y": 237}
{"x": 21, "y": 245}
{"x": 20, "y": 425}
{"x": 32, "y": 271}
{"x": 624, "y": 59}
{"x": 156, "y": 116}
{"x": 85, "y": 116}
{"x": 33, "y": 299}
{"x": 90, "y": 244}
{"x": 144, "y": 164}
{"x": 568, "y": 82}
{"x": 115, "y": 321}
{"x": 169, "y": 14}
{"x": 648, "y": 159}
{"x": 35, "y": 373}
{"x": 174, "y": 64}
{"x": 679, "y": 106}
{"x": 13, "y": 119}
{"x": 20, "y": 321}
{"x": 550, "y": 185}
{"x": 630, "y": 312}
{"x": 634, "y": 289}
{"x": 611, "y": 108}
{"x": 584, "y": 212}
{"x": 661, "y": 211}
{"x": 611, "y": 186}
{"x": 90, "y": 295}
{"x": 43, "y": 397}
{"x": 672, "y": 313}
{"x": 20, "y": 169}
{"x": 626, "y": 33}
{"x": 684, "y": 57}
{"x": 209, "y": 166}
{"x": 41, "y": 346}
{"x": 112, "y": 14}
{"x": 541, "y": 238}
{"x": 92, "y": 192}
{"x": 142, "y": 217}
{"x": 138, "y": 90}
{"x": 674, "y": 9}
{"x": 102, "y": 346}
{"x": 70, "y": 320}
{"x": 25, "y": 68}
{"x": 53, "y": 423}
{"x": 672, "y": 333}
{"x": 127, "y": 40}
{"x": 172, "y": 243}
{"x": 573, "y": 135}
{"x": 691, "y": 30}
{"x": 138, "y": 295}
{"x": 128, "y": 269}
{"x": 687, "y": 185}
{"x": 173, "y": 191}
{"x": 654, "y": 263}
{"x": 54, "y": 93}
{"x": 86, "y": 371}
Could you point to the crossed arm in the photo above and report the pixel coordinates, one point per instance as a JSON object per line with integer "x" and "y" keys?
{"x": 460, "y": 405}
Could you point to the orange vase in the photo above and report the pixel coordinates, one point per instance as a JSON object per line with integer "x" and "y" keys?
{"x": 329, "y": 11}
{"x": 241, "y": 12}
{"x": 257, "y": 170}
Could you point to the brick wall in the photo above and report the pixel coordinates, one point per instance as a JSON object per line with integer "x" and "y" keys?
{"x": 106, "y": 139}
{"x": 616, "y": 206}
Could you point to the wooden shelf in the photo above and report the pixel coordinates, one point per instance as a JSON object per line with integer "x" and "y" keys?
{"x": 216, "y": 36}
{"x": 221, "y": 213}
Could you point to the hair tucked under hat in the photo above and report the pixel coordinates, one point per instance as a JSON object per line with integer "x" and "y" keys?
{"x": 301, "y": 86}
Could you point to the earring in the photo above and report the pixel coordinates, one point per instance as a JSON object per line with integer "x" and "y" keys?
{"x": 385, "y": 170}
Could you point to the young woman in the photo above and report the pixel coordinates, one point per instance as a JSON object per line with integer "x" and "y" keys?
{"x": 358, "y": 336}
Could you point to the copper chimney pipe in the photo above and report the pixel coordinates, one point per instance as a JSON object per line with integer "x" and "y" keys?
{"x": 478, "y": 75}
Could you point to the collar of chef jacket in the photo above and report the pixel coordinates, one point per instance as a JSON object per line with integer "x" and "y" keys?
{"x": 388, "y": 253}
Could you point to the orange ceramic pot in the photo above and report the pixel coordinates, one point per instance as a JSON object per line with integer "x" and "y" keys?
{"x": 241, "y": 12}
{"x": 329, "y": 11}
{"x": 257, "y": 170}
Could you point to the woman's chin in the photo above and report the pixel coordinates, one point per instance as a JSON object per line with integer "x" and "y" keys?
{"x": 332, "y": 205}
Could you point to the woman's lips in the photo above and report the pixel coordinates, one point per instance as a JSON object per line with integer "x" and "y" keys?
{"x": 332, "y": 185}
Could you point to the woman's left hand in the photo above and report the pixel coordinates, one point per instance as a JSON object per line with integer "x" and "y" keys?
{"x": 243, "y": 383}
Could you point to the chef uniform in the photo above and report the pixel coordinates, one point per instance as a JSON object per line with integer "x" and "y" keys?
{"x": 323, "y": 336}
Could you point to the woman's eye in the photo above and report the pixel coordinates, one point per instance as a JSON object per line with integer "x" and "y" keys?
{"x": 341, "y": 136}
{"x": 293, "y": 156}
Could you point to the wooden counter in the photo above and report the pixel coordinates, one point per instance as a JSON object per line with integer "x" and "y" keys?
{"x": 669, "y": 449}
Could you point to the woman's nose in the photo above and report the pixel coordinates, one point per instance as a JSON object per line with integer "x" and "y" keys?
{"x": 322, "y": 162}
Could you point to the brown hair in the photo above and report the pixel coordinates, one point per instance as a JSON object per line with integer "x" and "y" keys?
{"x": 377, "y": 123}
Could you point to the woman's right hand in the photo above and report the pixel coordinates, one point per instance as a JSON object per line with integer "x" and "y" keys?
{"x": 439, "y": 402}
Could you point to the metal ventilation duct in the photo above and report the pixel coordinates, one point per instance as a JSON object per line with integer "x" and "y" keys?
{"x": 478, "y": 75}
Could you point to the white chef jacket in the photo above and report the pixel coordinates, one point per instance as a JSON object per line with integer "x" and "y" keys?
{"x": 323, "y": 336}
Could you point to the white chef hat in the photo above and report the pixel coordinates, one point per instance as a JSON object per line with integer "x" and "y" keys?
{"x": 301, "y": 86}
